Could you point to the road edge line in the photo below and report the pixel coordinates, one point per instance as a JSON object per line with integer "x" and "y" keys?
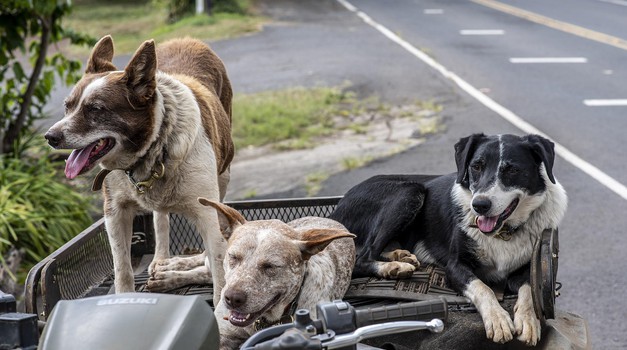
{"x": 594, "y": 172}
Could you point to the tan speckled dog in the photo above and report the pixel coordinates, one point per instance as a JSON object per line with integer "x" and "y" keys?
{"x": 273, "y": 268}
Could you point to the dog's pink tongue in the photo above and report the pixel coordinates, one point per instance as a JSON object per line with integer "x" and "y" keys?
{"x": 77, "y": 161}
{"x": 487, "y": 224}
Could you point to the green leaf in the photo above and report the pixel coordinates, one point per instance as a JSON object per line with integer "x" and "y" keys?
{"x": 18, "y": 71}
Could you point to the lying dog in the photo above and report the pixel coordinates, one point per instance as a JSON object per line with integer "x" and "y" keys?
{"x": 272, "y": 269}
{"x": 160, "y": 129}
{"x": 481, "y": 223}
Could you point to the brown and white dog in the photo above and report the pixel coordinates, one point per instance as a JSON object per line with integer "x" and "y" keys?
{"x": 273, "y": 268}
{"x": 160, "y": 130}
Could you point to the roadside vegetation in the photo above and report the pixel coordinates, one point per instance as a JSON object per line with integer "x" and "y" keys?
{"x": 42, "y": 43}
{"x": 293, "y": 118}
{"x": 132, "y": 22}
{"x": 289, "y": 118}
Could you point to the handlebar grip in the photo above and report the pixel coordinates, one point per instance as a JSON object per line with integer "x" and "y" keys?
{"x": 413, "y": 311}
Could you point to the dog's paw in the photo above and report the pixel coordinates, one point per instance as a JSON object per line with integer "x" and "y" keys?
{"x": 396, "y": 270}
{"x": 498, "y": 325}
{"x": 403, "y": 256}
{"x": 161, "y": 280}
{"x": 527, "y": 325}
{"x": 176, "y": 263}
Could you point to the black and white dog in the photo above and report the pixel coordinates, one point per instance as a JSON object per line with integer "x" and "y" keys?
{"x": 481, "y": 223}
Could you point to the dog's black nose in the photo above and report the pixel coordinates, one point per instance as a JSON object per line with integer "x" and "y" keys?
{"x": 235, "y": 298}
{"x": 54, "y": 138}
{"x": 481, "y": 205}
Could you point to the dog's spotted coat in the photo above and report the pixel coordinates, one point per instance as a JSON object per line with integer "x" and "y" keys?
{"x": 271, "y": 264}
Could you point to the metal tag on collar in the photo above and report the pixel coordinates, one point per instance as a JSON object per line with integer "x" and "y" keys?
{"x": 505, "y": 233}
{"x": 142, "y": 186}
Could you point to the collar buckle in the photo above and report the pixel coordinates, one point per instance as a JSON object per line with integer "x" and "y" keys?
{"x": 142, "y": 186}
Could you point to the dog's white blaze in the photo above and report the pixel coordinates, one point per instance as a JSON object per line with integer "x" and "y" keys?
{"x": 91, "y": 88}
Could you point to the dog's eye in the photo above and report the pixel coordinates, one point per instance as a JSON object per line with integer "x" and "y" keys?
{"x": 476, "y": 167}
{"x": 67, "y": 106}
{"x": 93, "y": 108}
{"x": 510, "y": 170}
{"x": 268, "y": 268}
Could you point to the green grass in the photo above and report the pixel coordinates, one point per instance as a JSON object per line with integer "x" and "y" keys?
{"x": 296, "y": 115}
{"x": 313, "y": 182}
{"x": 351, "y": 163}
{"x": 132, "y": 22}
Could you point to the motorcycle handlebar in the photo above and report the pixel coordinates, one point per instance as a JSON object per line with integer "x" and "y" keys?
{"x": 414, "y": 311}
{"x": 340, "y": 324}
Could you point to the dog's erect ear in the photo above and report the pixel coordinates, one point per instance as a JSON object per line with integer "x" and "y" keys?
{"x": 140, "y": 74}
{"x": 101, "y": 56}
{"x": 229, "y": 217}
{"x": 314, "y": 241}
{"x": 543, "y": 150}
{"x": 464, "y": 149}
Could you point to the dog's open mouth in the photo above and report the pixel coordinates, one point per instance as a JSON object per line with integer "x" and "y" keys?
{"x": 240, "y": 319}
{"x": 490, "y": 224}
{"x": 83, "y": 159}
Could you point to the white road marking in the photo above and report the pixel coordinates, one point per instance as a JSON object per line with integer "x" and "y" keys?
{"x": 548, "y": 60}
{"x": 433, "y": 11}
{"x": 482, "y": 32}
{"x": 605, "y": 103}
{"x": 505, "y": 113}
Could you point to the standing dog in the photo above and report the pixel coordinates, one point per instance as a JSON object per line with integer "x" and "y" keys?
{"x": 160, "y": 130}
{"x": 272, "y": 269}
{"x": 481, "y": 223}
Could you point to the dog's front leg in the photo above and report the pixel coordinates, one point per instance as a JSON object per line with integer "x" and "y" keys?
{"x": 497, "y": 322}
{"x": 527, "y": 324}
{"x": 206, "y": 222}
{"x": 161, "y": 222}
{"x": 119, "y": 226}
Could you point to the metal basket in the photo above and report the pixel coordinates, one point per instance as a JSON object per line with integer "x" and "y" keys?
{"x": 83, "y": 267}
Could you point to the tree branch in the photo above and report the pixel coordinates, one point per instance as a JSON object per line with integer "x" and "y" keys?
{"x": 15, "y": 128}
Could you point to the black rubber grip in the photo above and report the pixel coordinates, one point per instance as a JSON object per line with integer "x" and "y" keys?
{"x": 413, "y": 311}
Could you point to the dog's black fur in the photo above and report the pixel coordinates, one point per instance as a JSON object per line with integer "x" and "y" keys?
{"x": 435, "y": 217}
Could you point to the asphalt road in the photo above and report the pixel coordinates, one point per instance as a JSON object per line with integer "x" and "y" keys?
{"x": 323, "y": 43}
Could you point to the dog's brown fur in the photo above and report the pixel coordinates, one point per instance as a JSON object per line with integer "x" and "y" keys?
{"x": 270, "y": 264}
{"x": 172, "y": 106}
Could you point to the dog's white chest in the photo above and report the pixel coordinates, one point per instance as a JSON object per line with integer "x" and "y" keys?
{"x": 499, "y": 258}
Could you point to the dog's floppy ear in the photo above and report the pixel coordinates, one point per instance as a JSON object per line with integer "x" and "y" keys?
{"x": 543, "y": 150}
{"x": 314, "y": 241}
{"x": 229, "y": 217}
{"x": 101, "y": 56}
{"x": 464, "y": 149}
{"x": 140, "y": 74}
